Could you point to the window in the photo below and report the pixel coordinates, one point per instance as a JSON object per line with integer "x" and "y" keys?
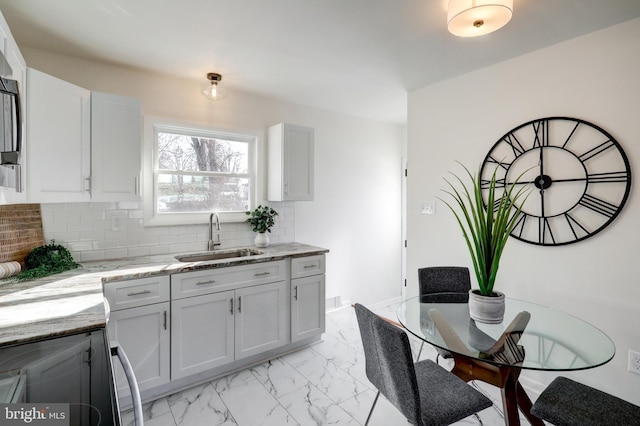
{"x": 196, "y": 171}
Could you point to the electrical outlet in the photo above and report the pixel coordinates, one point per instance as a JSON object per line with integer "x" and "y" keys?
{"x": 634, "y": 362}
{"x": 117, "y": 219}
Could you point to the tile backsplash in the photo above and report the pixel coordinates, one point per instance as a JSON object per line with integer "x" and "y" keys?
{"x": 88, "y": 231}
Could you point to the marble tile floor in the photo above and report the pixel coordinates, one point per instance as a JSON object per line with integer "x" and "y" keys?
{"x": 324, "y": 384}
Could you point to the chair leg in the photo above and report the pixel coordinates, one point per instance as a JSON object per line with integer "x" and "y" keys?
{"x": 420, "y": 352}
{"x": 479, "y": 419}
{"x": 372, "y": 407}
{"x": 479, "y": 389}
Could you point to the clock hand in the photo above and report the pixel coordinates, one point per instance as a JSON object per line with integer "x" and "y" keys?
{"x": 578, "y": 179}
{"x": 539, "y": 183}
{"x": 541, "y": 160}
{"x": 523, "y": 182}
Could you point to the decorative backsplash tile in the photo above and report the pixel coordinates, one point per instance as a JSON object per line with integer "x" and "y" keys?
{"x": 87, "y": 230}
{"x": 20, "y": 231}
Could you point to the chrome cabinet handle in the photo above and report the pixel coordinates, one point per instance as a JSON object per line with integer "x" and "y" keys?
{"x": 137, "y": 293}
{"x": 295, "y": 292}
{"x": 260, "y": 274}
{"x": 231, "y": 305}
{"x": 310, "y": 266}
{"x": 136, "y": 185}
{"x": 205, "y": 282}
{"x": 165, "y": 320}
{"x": 239, "y": 303}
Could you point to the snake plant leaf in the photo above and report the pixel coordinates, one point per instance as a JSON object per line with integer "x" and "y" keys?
{"x": 485, "y": 228}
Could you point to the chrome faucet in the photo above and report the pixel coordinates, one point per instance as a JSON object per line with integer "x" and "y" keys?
{"x": 212, "y": 244}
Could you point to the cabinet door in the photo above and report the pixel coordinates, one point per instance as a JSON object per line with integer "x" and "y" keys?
{"x": 262, "y": 318}
{"x": 290, "y": 157}
{"x": 143, "y": 333}
{"x": 298, "y": 163}
{"x": 58, "y": 139}
{"x": 307, "y": 307}
{"x": 201, "y": 333}
{"x": 115, "y": 148}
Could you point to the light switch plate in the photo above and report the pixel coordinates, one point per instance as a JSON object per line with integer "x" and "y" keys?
{"x": 634, "y": 362}
{"x": 428, "y": 207}
{"x": 117, "y": 219}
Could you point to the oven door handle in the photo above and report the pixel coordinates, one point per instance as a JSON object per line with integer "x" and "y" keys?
{"x": 116, "y": 350}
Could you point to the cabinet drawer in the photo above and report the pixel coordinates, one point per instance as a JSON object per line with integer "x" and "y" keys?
{"x": 195, "y": 283}
{"x": 307, "y": 266}
{"x": 139, "y": 292}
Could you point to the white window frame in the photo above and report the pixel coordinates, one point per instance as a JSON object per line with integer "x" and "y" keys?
{"x": 150, "y": 161}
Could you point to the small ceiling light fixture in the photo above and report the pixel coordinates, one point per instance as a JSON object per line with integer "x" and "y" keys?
{"x": 212, "y": 89}
{"x": 471, "y": 18}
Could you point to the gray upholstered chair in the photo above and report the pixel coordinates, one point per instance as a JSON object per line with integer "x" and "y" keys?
{"x": 444, "y": 279}
{"x": 424, "y": 392}
{"x": 568, "y": 403}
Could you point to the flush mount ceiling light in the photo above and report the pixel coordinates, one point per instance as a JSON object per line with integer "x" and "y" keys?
{"x": 212, "y": 89}
{"x": 471, "y": 18}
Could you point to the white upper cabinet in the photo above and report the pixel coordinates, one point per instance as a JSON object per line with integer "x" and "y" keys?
{"x": 115, "y": 148}
{"x": 58, "y": 138}
{"x": 82, "y": 146}
{"x": 290, "y": 163}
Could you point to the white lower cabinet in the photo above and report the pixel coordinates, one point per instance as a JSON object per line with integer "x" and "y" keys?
{"x": 202, "y": 329}
{"x": 307, "y": 307}
{"x": 216, "y": 328}
{"x": 142, "y": 329}
{"x": 307, "y": 297}
{"x": 183, "y": 325}
{"x": 143, "y": 333}
{"x": 261, "y": 318}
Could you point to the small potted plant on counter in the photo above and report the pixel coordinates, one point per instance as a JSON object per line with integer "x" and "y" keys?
{"x": 262, "y": 219}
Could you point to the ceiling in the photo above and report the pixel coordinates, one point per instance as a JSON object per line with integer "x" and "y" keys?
{"x": 359, "y": 57}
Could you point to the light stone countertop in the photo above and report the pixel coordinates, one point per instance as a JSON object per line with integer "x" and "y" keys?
{"x": 72, "y": 302}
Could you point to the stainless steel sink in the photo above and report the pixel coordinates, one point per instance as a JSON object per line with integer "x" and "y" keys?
{"x": 218, "y": 254}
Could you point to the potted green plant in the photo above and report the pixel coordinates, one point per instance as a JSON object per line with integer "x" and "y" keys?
{"x": 486, "y": 231}
{"x": 261, "y": 220}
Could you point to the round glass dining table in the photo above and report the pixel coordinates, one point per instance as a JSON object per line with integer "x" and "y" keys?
{"x": 531, "y": 336}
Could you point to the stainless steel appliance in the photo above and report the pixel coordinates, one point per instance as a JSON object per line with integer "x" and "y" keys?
{"x": 10, "y": 128}
{"x": 74, "y": 371}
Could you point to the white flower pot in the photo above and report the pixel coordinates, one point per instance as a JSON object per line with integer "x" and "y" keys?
{"x": 486, "y": 309}
{"x": 262, "y": 240}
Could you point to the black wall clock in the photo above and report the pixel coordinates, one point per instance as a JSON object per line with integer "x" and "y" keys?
{"x": 579, "y": 175}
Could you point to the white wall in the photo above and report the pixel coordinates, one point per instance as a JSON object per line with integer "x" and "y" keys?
{"x": 356, "y": 211}
{"x": 594, "y": 77}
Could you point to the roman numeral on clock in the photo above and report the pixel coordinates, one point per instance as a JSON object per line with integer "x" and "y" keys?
{"x": 598, "y": 205}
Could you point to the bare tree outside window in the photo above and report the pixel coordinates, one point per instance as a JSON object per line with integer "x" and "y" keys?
{"x": 201, "y": 174}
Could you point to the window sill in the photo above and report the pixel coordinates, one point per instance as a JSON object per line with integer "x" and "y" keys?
{"x": 192, "y": 218}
